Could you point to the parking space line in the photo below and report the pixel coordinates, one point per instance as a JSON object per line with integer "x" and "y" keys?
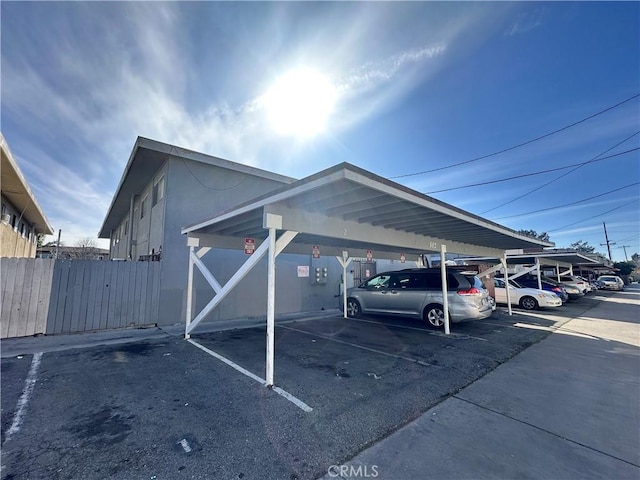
{"x": 330, "y": 338}
{"x": 29, "y": 385}
{"x": 500, "y": 325}
{"x": 297, "y": 402}
{"x": 429, "y": 332}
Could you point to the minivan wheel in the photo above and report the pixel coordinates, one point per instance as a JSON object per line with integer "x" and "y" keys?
{"x": 434, "y": 315}
{"x": 353, "y": 308}
{"x": 528, "y": 303}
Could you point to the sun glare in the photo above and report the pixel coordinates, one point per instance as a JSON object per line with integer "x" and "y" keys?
{"x": 300, "y": 103}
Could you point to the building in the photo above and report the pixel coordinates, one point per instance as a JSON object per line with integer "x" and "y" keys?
{"x": 169, "y": 197}
{"x": 165, "y": 188}
{"x": 73, "y": 253}
{"x": 21, "y": 219}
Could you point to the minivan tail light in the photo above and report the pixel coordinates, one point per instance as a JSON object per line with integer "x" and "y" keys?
{"x": 469, "y": 291}
{"x": 556, "y": 289}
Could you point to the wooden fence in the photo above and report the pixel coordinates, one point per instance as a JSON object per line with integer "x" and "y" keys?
{"x": 26, "y": 290}
{"x": 66, "y": 296}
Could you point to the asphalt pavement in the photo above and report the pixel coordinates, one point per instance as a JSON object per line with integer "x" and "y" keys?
{"x": 549, "y": 395}
{"x": 568, "y": 407}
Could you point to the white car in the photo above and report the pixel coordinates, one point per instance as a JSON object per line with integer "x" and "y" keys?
{"x": 611, "y": 282}
{"x": 527, "y": 298}
{"x": 575, "y": 281}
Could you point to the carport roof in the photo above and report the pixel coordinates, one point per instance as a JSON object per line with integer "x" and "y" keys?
{"x": 351, "y": 208}
{"x": 545, "y": 258}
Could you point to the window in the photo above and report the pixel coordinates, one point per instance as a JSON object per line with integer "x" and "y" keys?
{"x": 158, "y": 191}
{"x": 126, "y": 227}
{"x": 379, "y": 281}
{"x": 143, "y": 206}
{"x": 403, "y": 281}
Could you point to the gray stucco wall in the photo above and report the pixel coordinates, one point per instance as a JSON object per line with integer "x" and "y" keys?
{"x": 148, "y": 231}
{"x": 196, "y": 192}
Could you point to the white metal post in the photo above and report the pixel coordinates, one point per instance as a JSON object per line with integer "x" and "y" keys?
{"x": 558, "y": 271}
{"x": 271, "y": 305}
{"x": 189, "y": 294}
{"x": 506, "y": 284}
{"x": 445, "y": 298}
{"x": 344, "y": 262}
{"x": 344, "y": 290}
{"x": 538, "y": 273}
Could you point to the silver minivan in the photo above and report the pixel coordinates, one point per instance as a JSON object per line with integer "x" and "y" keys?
{"x": 417, "y": 292}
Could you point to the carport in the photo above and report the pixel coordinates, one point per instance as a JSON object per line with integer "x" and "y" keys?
{"x": 561, "y": 262}
{"x": 346, "y": 212}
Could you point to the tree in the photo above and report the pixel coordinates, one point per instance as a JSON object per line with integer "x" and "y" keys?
{"x": 625, "y": 267}
{"x": 582, "y": 247}
{"x": 85, "y": 248}
{"x": 636, "y": 259}
{"x": 544, "y": 236}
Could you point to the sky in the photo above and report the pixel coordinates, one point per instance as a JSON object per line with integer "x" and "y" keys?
{"x": 435, "y": 96}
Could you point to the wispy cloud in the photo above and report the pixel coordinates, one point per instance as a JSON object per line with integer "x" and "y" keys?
{"x": 103, "y": 73}
{"x": 526, "y": 22}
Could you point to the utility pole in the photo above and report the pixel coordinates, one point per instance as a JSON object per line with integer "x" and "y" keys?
{"x": 58, "y": 244}
{"x": 624, "y": 247}
{"x": 608, "y": 243}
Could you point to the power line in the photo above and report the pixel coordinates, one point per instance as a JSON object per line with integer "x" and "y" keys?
{"x": 520, "y": 144}
{"x": 558, "y": 178}
{"x": 569, "y": 204}
{"x": 534, "y": 173}
{"x": 591, "y": 217}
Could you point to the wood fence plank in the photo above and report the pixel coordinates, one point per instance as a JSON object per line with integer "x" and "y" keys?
{"x": 36, "y": 283}
{"x": 4, "y": 278}
{"x": 140, "y": 293}
{"x": 113, "y": 320}
{"x": 104, "y": 289}
{"x": 64, "y": 297}
{"x": 155, "y": 294}
{"x": 93, "y": 320}
{"x": 25, "y": 302}
{"x": 11, "y": 265}
{"x": 44, "y": 295}
{"x": 127, "y": 297}
{"x": 16, "y": 315}
{"x": 52, "y": 315}
{"x": 73, "y": 296}
{"x": 144, "y": 275}
{"x": 84, "y": 322}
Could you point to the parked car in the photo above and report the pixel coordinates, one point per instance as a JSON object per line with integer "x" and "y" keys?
{"x": 531, "y": 281}
{"x": 476, "y": 282}
{"x": 591, "y": 287}
{"x": 417, "y": 292}
{"x": 527, "y": 298}
{"x": 611, "y": 282}
{"x": 575, "y": 281}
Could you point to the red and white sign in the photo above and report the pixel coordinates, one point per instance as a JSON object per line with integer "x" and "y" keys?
{"x": 402, "y": 257}
{"x": 369, "y": 255}
{"x": 316, "y": 251}
{"x": 249, "y": 246}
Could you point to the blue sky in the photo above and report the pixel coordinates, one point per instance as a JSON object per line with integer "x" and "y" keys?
{"x": 418, "y": 87}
